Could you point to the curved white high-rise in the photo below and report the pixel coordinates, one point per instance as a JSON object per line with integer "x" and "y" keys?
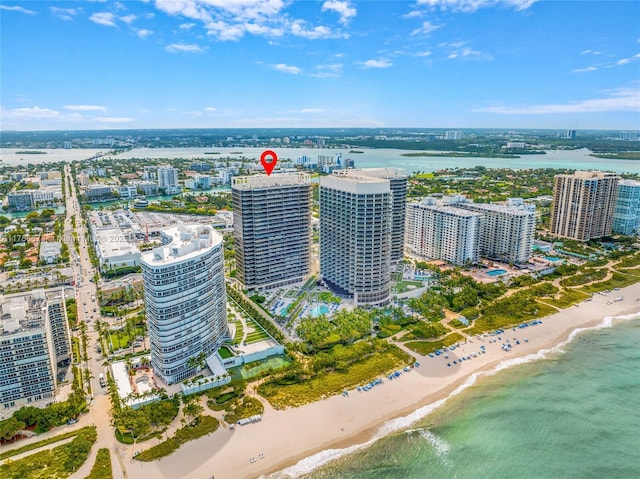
{"x": 185, "y": 297}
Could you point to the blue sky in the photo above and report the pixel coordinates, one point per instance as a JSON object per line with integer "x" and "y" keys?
{"x": 277, "y": 63}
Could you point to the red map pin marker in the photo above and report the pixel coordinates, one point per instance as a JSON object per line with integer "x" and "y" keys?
{"x": 268, "y": 165}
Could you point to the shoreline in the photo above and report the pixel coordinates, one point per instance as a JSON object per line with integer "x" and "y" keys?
{"x": 330, "y": 428}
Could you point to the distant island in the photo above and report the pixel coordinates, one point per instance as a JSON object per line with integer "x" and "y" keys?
{"x": 236, "y": 153}
{"x": 211, "y": 152}
{"x": 31, "y": 152}
{"x": 356, "y": 151}
{"x": 471, "y": 154}
{"x": 619, "y": 155}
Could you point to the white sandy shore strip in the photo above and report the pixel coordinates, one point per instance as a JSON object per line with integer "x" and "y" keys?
{"x": 301, "y": 439}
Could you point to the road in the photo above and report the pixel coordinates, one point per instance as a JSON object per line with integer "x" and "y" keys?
{"x": 89, "y": 312}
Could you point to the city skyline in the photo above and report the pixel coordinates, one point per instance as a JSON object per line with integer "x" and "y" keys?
{"x": 217, "y": 64}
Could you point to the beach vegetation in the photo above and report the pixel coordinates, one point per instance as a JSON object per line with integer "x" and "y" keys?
{"x": 423, "y": 330}
{"x": 588, "y": 276}
{"x": 618, "y": 280}
{"x": 39, "y": 444}
{"x": 200, "y": 426}
{"x": 333, "y": 371}
{"x": 568, "y": 297}
{"x": 345, "y": 327}
{"x": 242, "y": 408}
{"x": 102, "y": 467}
{"x": 59, "y": 462}
{"x": 426, "y": 347}
{"x": 145, "y": 422}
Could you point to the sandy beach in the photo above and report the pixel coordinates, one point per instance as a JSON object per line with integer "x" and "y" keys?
{"x": 291, "y": 442}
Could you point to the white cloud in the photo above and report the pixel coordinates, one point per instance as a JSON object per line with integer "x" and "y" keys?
{"x": 143, "y": 32}
{"x": 344, "y": 9}
{"x": 413, "y": 14}
{"x": 282, "y": 67}
{"x": 426, "y": 28}
{"x": 624, "y": 61}
{"x": 381, "y": 63}
{"x": 589, "y": 52}
{"x": 85, "y": 108}
{"x": 230, "y": 20}
{"x": 103, "y": 18}
{"x": 210, "y": 109}
{"x": 64, "y": 13}
{"x": 469, "y": 52}
{"x": 129, "y": 18}
{"x": 586, "y": 69}
{"x": 624, "y": 99}
{"x": 113, "y": 119}
{"x": 34, "y": 112}
{"x": 470, "y": 6}
{"x": 17, "y": 9}
{"x": 187, "y": 26}
{"x": 184, "y": 47}
{"x": 423, "y": 54}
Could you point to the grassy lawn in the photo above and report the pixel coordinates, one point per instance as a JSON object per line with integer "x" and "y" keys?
{"x": 426, "y": 347}
{"x": 569, "y": 297}
{"x": 242, "y": 408}
{"x": 121, "y": 339}
{"x": 44, "y": 442}
{"x": 334, "y": 382}
{"x": 102, "y": 467}
{"x": 404, "y": 286}
{"x": 617, "y": 281}
{"x": 56, "y": 463}
{"x": 225, "y": 353}
{"x": 257, "y": 335}
{"x": 239, "y": 332}
{"x": 203, "y": 425}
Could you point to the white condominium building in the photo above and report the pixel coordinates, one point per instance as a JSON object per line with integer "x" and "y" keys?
{"x": 35, "y": 347}
{"x": 185, "y": 297}
{"x": 167, "y": 177}
{"x": 438, "y": 231}
{"x": 355, "y": 236}
{"x": 506, "y": 231}
{"x": 626, "y": 218}
{"x": 398, "y": 182}
{"x": 583, "y": 204}
{"x": 272, "y": 229}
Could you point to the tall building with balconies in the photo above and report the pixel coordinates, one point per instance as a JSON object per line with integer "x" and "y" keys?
{"x": 506, "y": 231}
{"x": 442, "y": 232}
{"x": 583, "y": 204}
{"x": 626, "y": 216}
{"x": 356, "y": 217}
{"x": 185, "y": 298}
{"x": 272, "y": 229}
{"x": 35, "y": 347}
{"x": 398, "y": 183}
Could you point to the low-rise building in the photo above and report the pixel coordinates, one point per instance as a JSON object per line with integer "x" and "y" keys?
{"x": 50, "y": 251}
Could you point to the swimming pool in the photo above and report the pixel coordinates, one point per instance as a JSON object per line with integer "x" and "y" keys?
{"x": 318, "y": 310}
{"x": 552, "y": 258}
{"x": 496, "y": 272}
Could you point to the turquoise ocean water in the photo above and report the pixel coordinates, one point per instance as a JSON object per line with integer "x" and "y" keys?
{"x": 574, "y": 413}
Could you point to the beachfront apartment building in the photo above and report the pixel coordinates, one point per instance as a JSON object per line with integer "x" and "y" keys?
{"x": 398, "y": 183}
{"x": 355, "y": 237}
{"x": 626, "y": 216}
{"x": 584, "y": 204}
{"x": 435, "y": 231}
{"x": 35, "y": 347}
{"x": 506, "y": 230}
{"x": 185, "y": 298}
{"x": 272, "y": 229}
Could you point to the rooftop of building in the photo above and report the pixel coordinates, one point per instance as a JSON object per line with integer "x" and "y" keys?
{"x": 112, "y": 243}
{"x": 359, "y": 184}
{"x": 270, "y": 181}
{"x": 586, "y": 174}
{"x": 444, "y": 208}
{"x": 388, "y": 173}
{"x": 188, "y": 241}
{"x": 627, "y": 182}
{"x": 23, "y": 312}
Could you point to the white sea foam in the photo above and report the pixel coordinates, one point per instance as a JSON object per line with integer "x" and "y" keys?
{"x": 315, "y": 461}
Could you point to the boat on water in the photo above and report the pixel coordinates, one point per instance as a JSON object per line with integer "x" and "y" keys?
{"x": 140, "y": 203}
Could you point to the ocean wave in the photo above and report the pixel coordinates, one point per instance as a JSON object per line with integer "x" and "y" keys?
{"x": 316, "y": 461}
